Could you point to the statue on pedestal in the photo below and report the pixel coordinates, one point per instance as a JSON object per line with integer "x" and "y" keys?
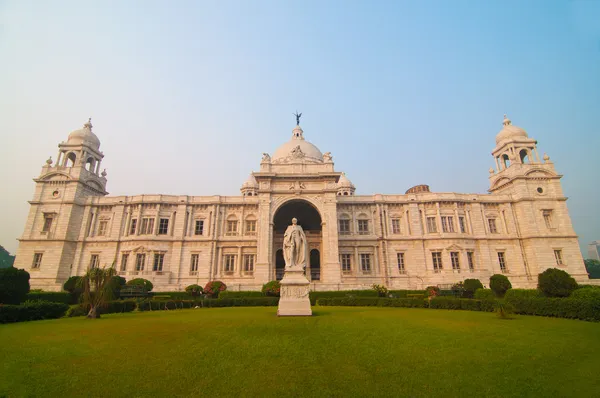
{"x": 294, "y": 246}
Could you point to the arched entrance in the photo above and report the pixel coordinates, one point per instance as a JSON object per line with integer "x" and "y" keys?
{"x": 310, "y": 221}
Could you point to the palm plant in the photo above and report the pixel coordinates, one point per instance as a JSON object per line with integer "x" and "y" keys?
{"x": 97, "y": 289}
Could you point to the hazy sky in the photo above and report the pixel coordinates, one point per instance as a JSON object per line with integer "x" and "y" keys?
{"x": 186, "y": 96}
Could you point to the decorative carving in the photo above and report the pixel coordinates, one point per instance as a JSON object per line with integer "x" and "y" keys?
{"x": 301, "y": 184}
{"x": 297, "y": 153}
{"x": 266, "y": 158}
{"x": 292, "y": 186}
{"x": 295, "y": 292}
{"x": 49, "y": 161}
{"x": 327, "y": 157}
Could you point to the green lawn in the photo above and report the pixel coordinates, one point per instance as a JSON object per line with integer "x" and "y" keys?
{"x": 338, "y": 352}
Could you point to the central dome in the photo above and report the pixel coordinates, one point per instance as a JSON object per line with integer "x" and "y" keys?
{"x": 297, "y": 148}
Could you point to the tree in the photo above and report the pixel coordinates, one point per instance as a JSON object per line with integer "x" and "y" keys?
{"x": 14, "y": 285}
{"x": 144, "y": 283}
{"x": 6, "y": 260}
{"x": 194, "y": 290}
{"x": 116, "y": 283}
{"x": 213, "y": 288}
{"x": 470, "y": 286}
{"x": 555, "y": 282}
{"x": 593, "y": 268}
{"x": 97, "y": 289}
{"x": 74, "y": 287}
{"x": 499, "y": 284}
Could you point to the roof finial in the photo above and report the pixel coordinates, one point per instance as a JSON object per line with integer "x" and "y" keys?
{"x": 506, "y": 120}
{"x": 298, "y": 115}
{"x": 88, "y": 125}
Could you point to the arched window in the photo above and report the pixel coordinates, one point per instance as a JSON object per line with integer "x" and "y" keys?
{"x": 250, "y": 227}
{"x": 70, "y": 159}
{"x": 524, "y": 155}
{"x": 232, "y": 226}
{"x": 506, "y": 161}
{"x": 344, "y": 224}
{"x": 89, "y": 164}
{"x": 363, "y": 224}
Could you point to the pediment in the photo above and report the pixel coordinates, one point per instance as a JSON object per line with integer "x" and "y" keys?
{"x": 55, "y": 176}
{"x": 539, "y": 173}
{"x": 454, "y": 247}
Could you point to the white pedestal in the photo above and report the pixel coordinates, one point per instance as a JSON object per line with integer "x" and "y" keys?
{"x": 294, "y": 299}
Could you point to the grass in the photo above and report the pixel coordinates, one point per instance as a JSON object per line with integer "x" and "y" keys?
{"x": 338, "y": 352}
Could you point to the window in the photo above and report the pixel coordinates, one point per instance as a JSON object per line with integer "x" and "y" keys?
{"x": 102, "y": 227}
{"x": 365, "y": 262}
{"x": 502, "y": 261}
{"x": 133, "y": 226}
{"x": 159, "y": 259}
{"x": 194, "y": 263}
{"x": 94, "y": 261}
{"x": 344, "y": 227}
{"x": 199, "y": 227}
{"x": 248, "y": 262}
{"x": 461, "y": 224}
{"x": 232, "y": 228}
{"x": 37, "y": 260}
{"x": 346, "y": 262}
{"x": 437, "y": 261}
{"x": 431, "y": 225}
{"x": 147, "y": 226}
{"x": 400, "y": 258}
{"x": 47, "y": 223}
{"x": 548, "y": 218}
{"x": 363, "y": 227}
{"x": 163, "y": 226}
{"x": 455, "y": 261}
{"x": 230, "y": 262}
{"x": 251, "y": 227}
{"x": 558, "y": 257}
{"x": 447, "y": 223}
{"x": 396, "y": 226}
{"x": 471, "y": 261}
{"x": 492, "y": 225}
{"x": 124, "y": 258}
{"x": 140, "y": 259}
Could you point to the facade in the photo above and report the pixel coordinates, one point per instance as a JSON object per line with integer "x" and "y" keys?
{"x": 405, "y": 241}
{"x": 594, "y": 250}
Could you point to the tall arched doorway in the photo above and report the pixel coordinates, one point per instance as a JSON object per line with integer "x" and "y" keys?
{"x": 310, "y": 221}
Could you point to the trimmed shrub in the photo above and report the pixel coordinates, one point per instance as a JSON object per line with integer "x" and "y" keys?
{"x": 314, "y": 296}
{"x": 116, "y": 283}
{"x": 406, "y": 293}
{"x": 144, "y": 283}
{"x": 240, "y": 294}
{"x": 173, "y": 295}
{"x": 484, "y": 294}
{"x": 381, "y": 290}
{"x": 555, "y": 282}
{"x": 194, "y": 290}
{"x": 271, "y": 289}
{"x": 371, "y": 302}
{"x": 458, "y": 289}
{"x": 518, "y": 294}
{"x": 111, "y": 308}
{"x": 32, "y": 311}
{"x": 152, "y": 305}
{"x": 499, "y": 284}
{"x": 470, "y": 286}
{"x": 14, "y": 285}
{"x": 73, "y": 286}
{"x": 52, "y": 297}
{"x": 587, "y": 293}
{"x": 213, "y": 288}
{"x": 574, "y": 308}
{"x": 452, "y": 303}
{"x": 432, "y": 291}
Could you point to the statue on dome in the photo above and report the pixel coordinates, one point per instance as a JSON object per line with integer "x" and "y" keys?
{"x": 294, "y": 246}
{"x": 298, "y": 115}
{"x": 266, "y": 158}
{"x": 327, "y": 157}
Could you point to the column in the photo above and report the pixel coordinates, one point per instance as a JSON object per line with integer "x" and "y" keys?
{"x": 239, "y": 260}
{"x": 156, "y": 220}
{"x": 356, "y": 261}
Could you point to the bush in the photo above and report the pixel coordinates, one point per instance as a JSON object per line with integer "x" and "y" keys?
{"x": 504, "y": 310}
{"x": 574, "y": 308}
{"x": 484, "y": 294}
{"x": 32, "y": 311}
{"x": 371, "y": 302}
{"x": 432, "y": 291}
{"x": 240, "y": 294}
{"x": 271, "y": 289}
{"x": 499, "y": 284}
{"x": 116, "y": 283}
{"x": 314, "y": 296}
{"x": 453, "y": 303}
{"x": 73, "y": 286}
{"x": 555, "y": 282}
{"x": 517, "y": 294}
{"x": 110, "y": 308}
{"x": 458, "y": 289}
{"x": 380, "y": 289}
{"x": 470, "y": 286}
{"x": 406, "y": 293}
{"x": 214, "y": 288}
{"x": 14, "y": 285}
{"x": 587, "y": 293}
{"x": 194, "y": 290}
{"x": 144, "y": 283}
{"x": 52, "y": 297}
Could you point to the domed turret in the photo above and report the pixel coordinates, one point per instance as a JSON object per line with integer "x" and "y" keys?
{"x": 345, "y": 186}
{"x": 250, "y": 187}
{"x": 297, "y": 149}
{"x": 509, "y": 132}
{"x": 84, "y": 136}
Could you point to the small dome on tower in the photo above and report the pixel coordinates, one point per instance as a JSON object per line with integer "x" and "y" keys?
{"x": 84, "y": 136}
{"x": 509, "y": 131}
{"x": 345, "y": 186}
{"x": 250, "y": 187}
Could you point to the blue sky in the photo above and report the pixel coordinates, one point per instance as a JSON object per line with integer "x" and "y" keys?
{"x": 186, "y": 96}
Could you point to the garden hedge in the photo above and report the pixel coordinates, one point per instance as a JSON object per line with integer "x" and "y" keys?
{"x": 372, "y": 302}
{"x": 453, "y": 303}
{"x": 111, "y": 308}
{"x": 405, "y": 293}
{"x": 53, "y": 297}
{"x": 573, "y": 308}
{"x": 240, "y": 294}
{"x": 32, "y": 311}
{"x": 314, "y": 296}
{"x": 519, "y": 294}
{"x": 484, "y": 294}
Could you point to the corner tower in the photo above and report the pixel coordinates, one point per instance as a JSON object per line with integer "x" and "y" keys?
{"x": 47, "y": 246}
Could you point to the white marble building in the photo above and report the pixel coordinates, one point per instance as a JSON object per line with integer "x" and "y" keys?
{"x": 403, "y": 241}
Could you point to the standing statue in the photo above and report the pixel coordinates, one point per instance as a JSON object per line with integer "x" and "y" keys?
{"x": 294, "y": 246}
{"x": 298, "y": 115}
